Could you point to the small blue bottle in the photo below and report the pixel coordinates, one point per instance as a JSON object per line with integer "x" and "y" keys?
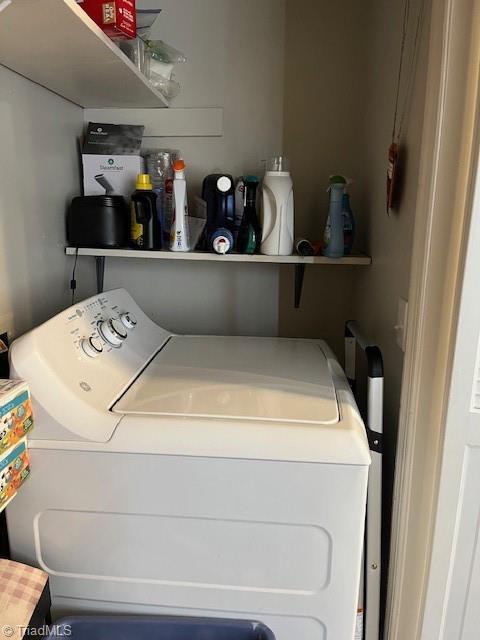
{"x": 334, "y": 242}
{"x": 348, "y": 225}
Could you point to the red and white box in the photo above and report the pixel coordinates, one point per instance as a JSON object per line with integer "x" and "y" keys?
{"x": 117, "y": 18}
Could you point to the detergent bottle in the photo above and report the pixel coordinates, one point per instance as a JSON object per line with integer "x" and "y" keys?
{"x": 179, "y": 234}
{"x": 219, "y": 193}
{"x": 333, "y": 236}
{"x": 145, "y": 228}
{"x": 277, "y": 209}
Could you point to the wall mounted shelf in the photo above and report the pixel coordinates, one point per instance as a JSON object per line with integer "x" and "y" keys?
{"x": 300, "y": 262}
{"x": 57, "y": 45}
{"x": 161, "y": 123}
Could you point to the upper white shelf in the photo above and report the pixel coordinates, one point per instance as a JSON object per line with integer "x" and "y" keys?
{"x": 57, "y": 45}
{"x": 356, "y": 259}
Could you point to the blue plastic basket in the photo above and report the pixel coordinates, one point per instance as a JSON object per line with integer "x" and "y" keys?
{"x": 158, "y": 628}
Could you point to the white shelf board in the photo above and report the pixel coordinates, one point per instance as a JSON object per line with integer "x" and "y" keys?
{"x": 57, "y": 45}
{"x": 161, "y": 123}
{"x": 356, "y": 259}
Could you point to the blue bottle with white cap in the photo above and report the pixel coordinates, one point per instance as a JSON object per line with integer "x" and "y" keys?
{"x": 219, "y": 194}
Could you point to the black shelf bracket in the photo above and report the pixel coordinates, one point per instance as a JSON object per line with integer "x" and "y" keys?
{"x": 299, "y": 275}
{"x": 100, "y": 269}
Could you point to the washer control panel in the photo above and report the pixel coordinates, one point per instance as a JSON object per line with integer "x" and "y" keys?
{"x": 101, "y": 344}
{"x": 112, "y": 331}
{"x": 92, "y": 347}
{"x": 100, "y": 324}
{"x": 129, "y": 320}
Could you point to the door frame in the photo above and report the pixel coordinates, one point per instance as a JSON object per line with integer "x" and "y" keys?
{"x": 444, "y": 203}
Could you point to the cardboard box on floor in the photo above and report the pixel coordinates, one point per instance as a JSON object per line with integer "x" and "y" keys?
{"x": 16, "y": 420}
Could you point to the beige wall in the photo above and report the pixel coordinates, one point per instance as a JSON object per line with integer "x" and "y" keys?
{"x": 389, "y": 238}
{"x": 235, "y": 52}
{"x": 235, "y": 60}
{"x": 340, "y": 78}
{"x": 325, "y": 61}
{"x": 38, "y": 174}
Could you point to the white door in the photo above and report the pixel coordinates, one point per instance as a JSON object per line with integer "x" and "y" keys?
{"x": 452, "y": 606}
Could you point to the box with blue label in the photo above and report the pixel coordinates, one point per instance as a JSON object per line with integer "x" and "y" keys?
{"x": 14, "y": 470}
{"x": 16, "y": 417}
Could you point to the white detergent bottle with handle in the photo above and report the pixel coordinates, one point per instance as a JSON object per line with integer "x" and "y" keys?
{"x": 277, "y": 209}
{"x": 179, "y": 233}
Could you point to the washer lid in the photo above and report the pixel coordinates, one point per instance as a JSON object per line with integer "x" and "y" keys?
{"x": 276, "y": 379}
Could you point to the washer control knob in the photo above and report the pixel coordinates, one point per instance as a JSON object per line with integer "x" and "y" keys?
{"x": 112, "y": 331}
{"x": 128, "y": 320}
{"x": 92, "y": 347}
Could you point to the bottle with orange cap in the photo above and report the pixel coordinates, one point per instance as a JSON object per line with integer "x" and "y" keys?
{"x": 145, "y": 227}
{"x": 179, "y": 233}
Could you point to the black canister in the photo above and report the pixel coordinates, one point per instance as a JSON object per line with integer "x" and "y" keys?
{"x": 98, "y": 221}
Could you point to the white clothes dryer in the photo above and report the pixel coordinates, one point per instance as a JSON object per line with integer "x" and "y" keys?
{"x": 195, "y": 475}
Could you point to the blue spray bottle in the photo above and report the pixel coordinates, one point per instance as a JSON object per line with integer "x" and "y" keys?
{"x": 348, "y": 224}
{"x": 333, "y": 237}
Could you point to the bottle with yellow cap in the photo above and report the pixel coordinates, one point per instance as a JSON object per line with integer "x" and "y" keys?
{"x": 145, "y": 227}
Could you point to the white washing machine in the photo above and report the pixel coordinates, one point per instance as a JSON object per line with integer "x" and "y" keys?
{"x": 198, "y": 475}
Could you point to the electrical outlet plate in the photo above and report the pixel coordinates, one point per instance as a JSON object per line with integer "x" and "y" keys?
{"x": 401, "y": 326}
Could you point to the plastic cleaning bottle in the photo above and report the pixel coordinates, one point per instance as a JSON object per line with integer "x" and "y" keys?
{"x": 333, "y": 237}
{"x": 239, "y": 204}
{"x": 277, "y": 209}
{"x": 179, "y": 236}
{"x": 348, "y": 220}
{"x": 145, "y": 228}
{"x": 159, "y": 166}
{"x": 250, "y": 233}
{"x": 219, "y": 194}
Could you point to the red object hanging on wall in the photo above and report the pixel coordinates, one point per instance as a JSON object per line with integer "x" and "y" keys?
{"x": 392, "y": 175}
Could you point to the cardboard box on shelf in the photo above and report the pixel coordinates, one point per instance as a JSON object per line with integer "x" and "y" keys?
{"x": 111, "y": 158}
{"x": 117, "y": 18}
{"x": 118, "y": 172}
